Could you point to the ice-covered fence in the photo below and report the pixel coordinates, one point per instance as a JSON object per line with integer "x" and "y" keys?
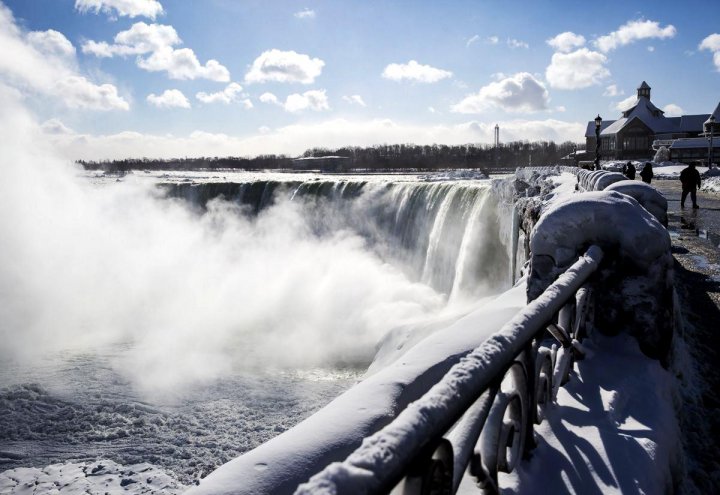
{"x": 431, "y": 443}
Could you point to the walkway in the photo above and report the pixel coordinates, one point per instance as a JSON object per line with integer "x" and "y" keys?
{"x": 695, "y": 240}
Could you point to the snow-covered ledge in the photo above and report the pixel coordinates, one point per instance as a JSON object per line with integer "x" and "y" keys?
{"x": 635, "y": 279}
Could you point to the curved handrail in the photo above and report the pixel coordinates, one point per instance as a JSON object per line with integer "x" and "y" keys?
{"x": 470, "y": 396}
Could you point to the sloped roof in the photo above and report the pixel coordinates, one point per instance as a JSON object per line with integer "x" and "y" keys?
{"x": 647, "y": 113}
{"x": 716, "y": 113}
{"x": 643, "y": 103}
{"x": 644, "y": 85}
{"x": 590, "y": 129}
{"x": 699, "y": 142}
{"x": 692, "y": 123}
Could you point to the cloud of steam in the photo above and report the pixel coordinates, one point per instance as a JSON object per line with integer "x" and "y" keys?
{"x": 191, "y": 297}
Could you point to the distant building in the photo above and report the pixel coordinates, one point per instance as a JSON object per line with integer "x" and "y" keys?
{"x": 322, "y": 163}
{"x": 643, "y": 128}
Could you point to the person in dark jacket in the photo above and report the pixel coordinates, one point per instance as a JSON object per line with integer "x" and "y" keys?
{"x": 629, "y": 170}
{"x": 647, "y": 173}
{"x": 690, "y": 180}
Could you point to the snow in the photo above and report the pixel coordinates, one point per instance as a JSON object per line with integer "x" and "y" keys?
{"x": 453, "y": 175}
{"x": 614, "y": 429}
{"x": 648, "y": 197}
{"x": 640, "y": 301}
{"x": 90, "y": 478}
{"x": 711, "y": 184}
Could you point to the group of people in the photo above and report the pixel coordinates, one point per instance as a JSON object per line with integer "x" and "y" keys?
{"x": 646, "y": 174}
{"x": 689, "y": 179}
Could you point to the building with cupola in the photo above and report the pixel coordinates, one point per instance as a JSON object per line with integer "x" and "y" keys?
{"x": 643, "y": 128}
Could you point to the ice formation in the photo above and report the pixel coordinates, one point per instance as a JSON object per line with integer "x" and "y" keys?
{"x": 635, "y": 283}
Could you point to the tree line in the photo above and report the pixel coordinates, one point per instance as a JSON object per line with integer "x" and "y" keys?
{"x": 385, "y": 157}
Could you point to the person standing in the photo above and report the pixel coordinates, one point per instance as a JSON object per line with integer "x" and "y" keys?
{"x": 690, "y": 180}
{"x": 629, "y": 171}
{"x": 647, "y": 173}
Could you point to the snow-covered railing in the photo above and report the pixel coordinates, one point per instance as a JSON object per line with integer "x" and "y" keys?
{"x": 480, "y": 416}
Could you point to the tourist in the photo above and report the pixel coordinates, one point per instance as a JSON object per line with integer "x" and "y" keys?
{"x": 690, "y": 180}
{"x": 629, "y": 170}
{"x": 647, "y": 173}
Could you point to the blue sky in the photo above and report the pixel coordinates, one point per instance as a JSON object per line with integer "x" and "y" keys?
{"x": 113, "y": 78}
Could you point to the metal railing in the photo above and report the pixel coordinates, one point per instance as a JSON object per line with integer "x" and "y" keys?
{"x": 480, "y": 416}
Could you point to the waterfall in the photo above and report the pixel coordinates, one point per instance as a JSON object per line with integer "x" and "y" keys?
{"x": 448, "y": 235}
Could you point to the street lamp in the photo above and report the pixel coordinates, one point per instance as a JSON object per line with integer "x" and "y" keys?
{"x": 710, "y": 127}
{"x": 598, "y": 123}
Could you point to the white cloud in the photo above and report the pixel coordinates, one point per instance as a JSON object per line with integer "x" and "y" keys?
{"x": 626, "y": 103}
{"x": 673, "y": 110}
{"x": 78, "y": 92}
{"x": 612, "y": 91}
{"x": 651, "y": 48}
{"x": 712, "y": 43}
{"x": 513, "y": 43}
{"x": 472, "y": 39}
{"x": 310, "y": 100}
{"x": 305, "y": 14}
{"x": 170, "y": 98}
{"x": 128, "y": 8}
{"x": 284, "y": 66}
{"x": 156, "y": 42}
{"x": 518, "y": 93}
{"x": 492, "y": 40}
{"x": 414, "y": 71}
{"x": 575, "y": 70}
{"x": 183, "y": 64}
{"x": 355, "y": 100}
{"x": 269, "y": 98}
{"x": 247, "y": 104}
{"x": 295, "y": 139}
{"x": 228, "y": 95}
{"x": 140, "y": 39}
{"x": 566, "y": 42}
{"x": 51, "y": 42}
{"x": 633, "y": 31}
{"x": 44, "y": 63}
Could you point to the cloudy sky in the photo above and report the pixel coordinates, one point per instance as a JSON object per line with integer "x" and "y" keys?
{"x": 116, "y": 78}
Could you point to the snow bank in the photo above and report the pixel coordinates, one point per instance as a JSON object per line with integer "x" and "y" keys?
{"x": 646, "y": 195}
{"x": 636, "y": 279}
{"x": 711, "y": 184}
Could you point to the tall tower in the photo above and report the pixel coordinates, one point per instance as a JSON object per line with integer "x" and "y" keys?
{"x": 644, "y": 90}
{"x": 497, "y": 145}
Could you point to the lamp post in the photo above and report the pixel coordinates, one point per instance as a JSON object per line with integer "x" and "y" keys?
{"x": 710, "y": 127}
{"x": 598, "y": 123}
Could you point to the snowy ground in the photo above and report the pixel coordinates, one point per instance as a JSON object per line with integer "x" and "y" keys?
{"x": 613, "y": 429}
{"x": 90, "y": 478}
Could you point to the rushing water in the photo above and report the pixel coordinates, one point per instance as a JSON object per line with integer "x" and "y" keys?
{"x": 225, "y": 310}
